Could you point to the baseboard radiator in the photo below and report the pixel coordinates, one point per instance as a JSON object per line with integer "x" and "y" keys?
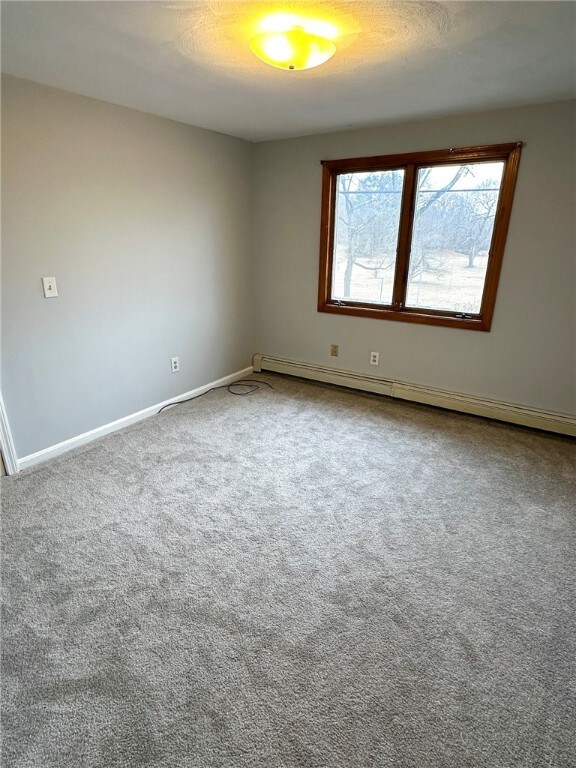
{"x": 550, "y": 421}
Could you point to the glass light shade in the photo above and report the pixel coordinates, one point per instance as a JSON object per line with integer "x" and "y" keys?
{"x": 292, "y": 49}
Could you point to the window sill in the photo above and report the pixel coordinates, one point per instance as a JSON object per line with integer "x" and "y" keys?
{"x": 434, "y": 317}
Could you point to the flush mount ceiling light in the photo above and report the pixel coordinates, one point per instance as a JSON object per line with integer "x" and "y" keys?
{"x": 288, "y": 43}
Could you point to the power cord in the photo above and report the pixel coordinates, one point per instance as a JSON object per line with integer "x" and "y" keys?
{"x": 250, "y": 385}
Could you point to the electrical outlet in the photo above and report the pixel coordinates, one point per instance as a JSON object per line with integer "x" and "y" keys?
{"x": 334, "y": 350}
{"x": 374, "y": 358}
{"x": 175, "y": 362}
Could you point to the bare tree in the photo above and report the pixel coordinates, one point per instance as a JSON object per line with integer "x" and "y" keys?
{"x": 367, "y": 213}
{"x": 480, "y": 226}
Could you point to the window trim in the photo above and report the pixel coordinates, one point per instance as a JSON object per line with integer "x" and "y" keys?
{"x": 410, "y": 162}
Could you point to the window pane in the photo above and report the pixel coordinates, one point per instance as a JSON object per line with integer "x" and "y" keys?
{"x": 366, "y": 235}
{"x": 453, "y": 223}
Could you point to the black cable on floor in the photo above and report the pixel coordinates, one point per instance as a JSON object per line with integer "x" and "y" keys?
{"x": 250, "y": 384}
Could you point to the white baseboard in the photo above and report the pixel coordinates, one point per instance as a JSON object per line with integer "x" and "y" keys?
{"x": 550, "y": 421}
{"x": 6, "y": 442}
{"x": 125, "y": 421}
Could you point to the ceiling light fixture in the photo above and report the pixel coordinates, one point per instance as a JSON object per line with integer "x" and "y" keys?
{"x": 293, "y": 48}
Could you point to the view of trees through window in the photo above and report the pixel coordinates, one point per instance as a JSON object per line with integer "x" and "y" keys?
{"x": 417, "y": 237}
{"x": 453, "y": 221}
{"x": 367, "y": 223}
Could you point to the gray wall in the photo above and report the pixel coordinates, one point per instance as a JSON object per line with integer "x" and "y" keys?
{"x": 147, "y": 226}
{"x": 529, "y": 357}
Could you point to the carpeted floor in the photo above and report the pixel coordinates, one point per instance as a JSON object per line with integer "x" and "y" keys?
{"x": 303, "y": 577}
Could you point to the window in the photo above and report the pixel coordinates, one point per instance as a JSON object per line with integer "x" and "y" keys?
{"x": 417, "y": 237}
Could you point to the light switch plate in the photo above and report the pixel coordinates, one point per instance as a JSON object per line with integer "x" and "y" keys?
{"x": 50, "y": 289}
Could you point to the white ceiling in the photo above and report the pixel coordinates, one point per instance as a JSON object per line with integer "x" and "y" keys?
{"x": 190, "y": 61}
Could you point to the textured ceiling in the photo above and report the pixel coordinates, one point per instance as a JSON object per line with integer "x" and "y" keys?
{"x": 190, "y": 61}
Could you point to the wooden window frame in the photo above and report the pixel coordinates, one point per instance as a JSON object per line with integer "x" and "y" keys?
{"x": 410, "y": 162}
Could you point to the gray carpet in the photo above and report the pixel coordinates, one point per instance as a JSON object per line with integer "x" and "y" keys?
{"x": 303, "y": 577}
